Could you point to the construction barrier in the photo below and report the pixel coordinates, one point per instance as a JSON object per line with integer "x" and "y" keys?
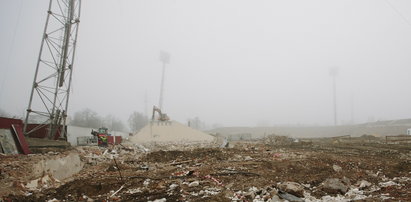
{"x": 93, "y": 140}
{"x": 86, "y": 140}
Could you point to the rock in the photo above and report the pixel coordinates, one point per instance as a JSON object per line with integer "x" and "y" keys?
{"x": 173, "y": 186}
{"x": 160, "y": 200}
{"x": 334, "y": 186}
{"x": 249, "y": 195}
{"x": 337, "y": 168}
{"x": 388, "y": 184}
{"x": 32, "y": 185}
{"x": 275, "y": 198}
{"x": 364, "y": 184}
{"x": 274, "y": 192}
{"x": 133, "y": 191}
{"x": 292, "y": 188}
{"x": 146, "y": 182}
{"x": 45, "y": 179}
{"x": 247, "y": 158}
{"x": 289, "y": 197}
{"x": 266, "y": 197}
{"x": 225, "y": 144}
{"x": 346, "y": 181}
{"x": 141, "y": 148}
{"x": 253, "y": 189}
{"x": 262, "y": 192}
{"x": 144, "y": 167}
{"x": 372, "y": 174}
{"x": 194, "y": 184}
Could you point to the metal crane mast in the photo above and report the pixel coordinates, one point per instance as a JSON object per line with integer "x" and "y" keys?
{"x": 51, "y": 86}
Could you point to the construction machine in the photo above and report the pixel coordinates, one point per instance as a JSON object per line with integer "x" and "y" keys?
{"x": 102, "y": 136}
{"x": 162, "y": 116}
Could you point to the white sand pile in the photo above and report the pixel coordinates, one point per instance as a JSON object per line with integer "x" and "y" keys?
{"x": 169, "y": 131}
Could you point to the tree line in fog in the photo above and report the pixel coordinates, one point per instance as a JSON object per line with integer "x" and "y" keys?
{"x": 91, "y": 119}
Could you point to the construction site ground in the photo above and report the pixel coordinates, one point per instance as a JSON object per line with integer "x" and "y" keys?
{"x": 354, "y": 169}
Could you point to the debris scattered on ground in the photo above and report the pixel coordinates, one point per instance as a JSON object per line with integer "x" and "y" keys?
{"x": 249, "y": 171}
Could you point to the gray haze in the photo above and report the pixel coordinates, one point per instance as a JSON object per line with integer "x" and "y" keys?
{"x": 233, "y": 62}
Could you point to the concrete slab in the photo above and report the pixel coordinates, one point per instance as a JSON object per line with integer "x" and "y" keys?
{"x": 60, "y": 167}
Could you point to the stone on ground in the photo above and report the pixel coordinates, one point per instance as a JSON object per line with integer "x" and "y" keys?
{"x": 292, "y": 188}
{"x": 334, "y": 186}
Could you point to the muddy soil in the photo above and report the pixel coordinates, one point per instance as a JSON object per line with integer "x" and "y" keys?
{"x": 225, "y": 174}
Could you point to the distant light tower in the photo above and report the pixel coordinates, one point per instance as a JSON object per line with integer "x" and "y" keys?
{"x": 333, "y": 74}
{"x": 145, "y": 105}
{"x": 165, "y": 59}
{"x": 352, "y": 109}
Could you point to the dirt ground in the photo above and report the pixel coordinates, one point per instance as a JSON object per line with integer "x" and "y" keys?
{"x": 355, "y": 169}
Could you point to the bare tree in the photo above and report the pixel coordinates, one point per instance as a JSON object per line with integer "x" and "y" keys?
{"x": 137, "y": 121}
{"x": 113, "y": 123}
{"x": 196, "y": 123}
{"x": 87, "y": 118}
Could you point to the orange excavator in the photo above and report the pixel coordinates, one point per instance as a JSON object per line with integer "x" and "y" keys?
{"x": 162, "y": 116}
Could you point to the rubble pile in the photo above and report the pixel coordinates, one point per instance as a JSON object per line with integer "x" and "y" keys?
{"x": 249, "y": 171}
{"x": 168, "y": 132}
{"x": 23, "y": 174}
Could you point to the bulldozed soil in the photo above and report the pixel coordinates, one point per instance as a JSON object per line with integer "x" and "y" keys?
{"x": 308, "y": 170}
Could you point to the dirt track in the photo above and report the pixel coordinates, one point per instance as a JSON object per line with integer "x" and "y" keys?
{"x": 370, "y": 171}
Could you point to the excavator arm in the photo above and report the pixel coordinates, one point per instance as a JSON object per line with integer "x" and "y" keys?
{"x": 162, "y": 117}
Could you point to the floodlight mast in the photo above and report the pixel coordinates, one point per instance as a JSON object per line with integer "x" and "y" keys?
{"x": 52, "y": 79}
{"x": 165, "y": 59}
{"x": 333, "y": 74}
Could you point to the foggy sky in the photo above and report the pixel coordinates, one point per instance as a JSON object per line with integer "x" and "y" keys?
{"x": 233, "y": 62}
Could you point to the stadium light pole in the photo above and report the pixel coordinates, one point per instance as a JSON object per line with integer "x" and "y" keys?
{"x": 333, "y": 74}
{"x": 165, "y": 59}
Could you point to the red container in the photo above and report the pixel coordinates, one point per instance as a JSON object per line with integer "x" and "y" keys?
{"x": 110, "y": 139}
{"x": 118, "y": 139}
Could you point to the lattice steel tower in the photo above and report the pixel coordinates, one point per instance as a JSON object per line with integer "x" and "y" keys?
{"x": 51, "y": 86}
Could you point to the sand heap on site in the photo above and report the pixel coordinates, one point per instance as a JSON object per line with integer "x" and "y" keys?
{"x": 169, "y": 131}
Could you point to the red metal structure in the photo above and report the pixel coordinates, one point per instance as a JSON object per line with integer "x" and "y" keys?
{"x": 16, "y": 128}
